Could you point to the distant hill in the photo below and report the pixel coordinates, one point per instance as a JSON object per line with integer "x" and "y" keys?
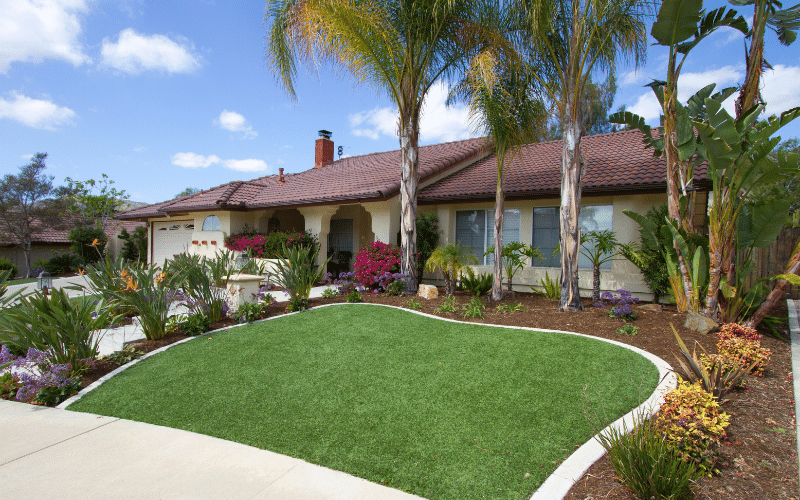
{"x": 130, "y": 205}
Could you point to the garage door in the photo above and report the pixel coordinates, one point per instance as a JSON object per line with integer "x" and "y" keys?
{"x": 171, "y": 238}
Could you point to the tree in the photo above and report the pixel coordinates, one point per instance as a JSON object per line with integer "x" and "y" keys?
{"x": 598, "y": 247}
{"x": 25, "y": 206}
{"x": 787, "y": 188}
{"x": 427, "y": 239}
{"x": 450, "y": 259}
{"x": 573, "y": 39}
{"x": 681, "y": 25}
{"x": 187, "y": 192}
{"x": 400, "y": 47}
{"x": 95, "y": 202}
{"x": 599, "y": 97}
{"x": 135, "y": 247}
{"x": 766, "y": 13}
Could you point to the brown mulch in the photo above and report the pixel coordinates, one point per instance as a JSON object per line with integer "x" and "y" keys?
{"x": 758, "y": 460}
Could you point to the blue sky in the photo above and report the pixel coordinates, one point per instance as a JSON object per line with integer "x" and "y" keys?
{"x": 161, "y": 96}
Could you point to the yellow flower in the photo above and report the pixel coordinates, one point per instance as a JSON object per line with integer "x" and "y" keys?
{"x": 93, "y": 243}
{"x": 81, "y": 272}
{"x": 159, "y": 278}
{"x": 130, "y": 285}
{"x": 124, "y": 273}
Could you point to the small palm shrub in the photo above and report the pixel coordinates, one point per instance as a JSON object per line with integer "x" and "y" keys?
{"x": 374, "y": 261}
{"x": 691, "y": 421}
{"x": 56, "y": 324}
{"x": 450, "y": 259}
{"x": 648, "y": 463}
{"x": 477, "y": 285}
{"x": 7, "y": 265}
{"x": 448, "y": 305}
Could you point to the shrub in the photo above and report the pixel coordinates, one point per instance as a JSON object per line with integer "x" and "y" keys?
{"x": 9, "y": 385}
{"x": 297, "y": 271}
{"x": 647, "y": 462}
{"x": 477, "y": 285}
{"x": 195, "y": 324}
{"x": 151, "y": 292}
{"x": 124, "y": 356}
{"x": 628, "y": 329}
{"x": 135, "y": 247}
{"x": 200, "y": 291}
{"x": 450, "y": 259}
{"x": 63, "y": 327}
{"x": 249, "y": 312}
{"x": 509, "y": 308}
{"x": 60, "y": 264}
{"x": 40, "y": 378}
{"x": 329, "y": 293}
{"x": 7, "y": 265}
{"x": 374, "y": 260}
{"x": 392, "y": 284}
{"x": 297, "y": 304}
{"x": 743, "y": 352}
{"x": 709, "y": 371}
{"x": 88, "y": 243}
{"x": 474, "y": 309}
{"x": 414, "y": 304}
{"x": 691, "y": 421}
{"x": 354, "y": 297}
{"x": 269, "y": 246}
{"x": 735, "y": 330}
{"x": 345, "y": 283}
{"x": 427, "y": 239}
{"x": 448, "y": 305}
{"x": 620, "y": 305}
{"x": 550, "y": 288}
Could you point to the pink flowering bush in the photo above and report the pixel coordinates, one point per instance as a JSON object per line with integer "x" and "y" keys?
{"x": 374, "y": 261}
{"x": 269, "y": 246}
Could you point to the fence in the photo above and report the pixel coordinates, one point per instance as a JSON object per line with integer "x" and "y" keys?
{"x": 773, "y": 259}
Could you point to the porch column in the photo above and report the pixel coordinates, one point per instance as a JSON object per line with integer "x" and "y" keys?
{"x": 318, "y": 221}
{"x": 385, "y": 219}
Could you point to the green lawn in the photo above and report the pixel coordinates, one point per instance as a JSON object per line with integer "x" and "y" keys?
{"x": 435, "y": 408}
{"x": 22, "y": 281}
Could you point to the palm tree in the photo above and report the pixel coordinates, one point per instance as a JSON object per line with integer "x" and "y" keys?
{"x": 785, "y": 24}
{"x": 401, "y": 47}
{"x": 502, "y": 105}
{"x": 574, "y": 38}
{"x": 450, "y": 259}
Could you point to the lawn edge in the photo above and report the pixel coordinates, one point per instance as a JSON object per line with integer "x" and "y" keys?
{"x": 558, "y": 484}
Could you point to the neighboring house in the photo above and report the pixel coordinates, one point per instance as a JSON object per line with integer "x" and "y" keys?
{"x": 351, "y": 202}
{"x": 49, "y": 242}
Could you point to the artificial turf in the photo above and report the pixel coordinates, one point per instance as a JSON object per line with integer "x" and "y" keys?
{"x": 440, "y": 409}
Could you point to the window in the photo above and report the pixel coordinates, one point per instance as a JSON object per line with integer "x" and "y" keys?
{"x": 273, "y": 224}
{"x": 475, "y": 230}
{"x": 546, "y": 227}
{"x": 211, "y": 223}
{"x": 340, "y": 237}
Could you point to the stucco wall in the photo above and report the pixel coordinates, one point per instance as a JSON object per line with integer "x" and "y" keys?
{"x": 623, "y": 274}
{"x": 39, "y": 251}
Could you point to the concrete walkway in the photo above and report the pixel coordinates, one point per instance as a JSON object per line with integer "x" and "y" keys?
{"x": 51, "y": 453}
{"x": 794, "y": 331}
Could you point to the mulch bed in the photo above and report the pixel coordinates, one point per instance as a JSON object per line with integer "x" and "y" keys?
{"x": 758, "y": 459}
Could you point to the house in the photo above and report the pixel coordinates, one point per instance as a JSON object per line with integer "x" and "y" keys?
{"x": 351, "y": 202}
{"x": 49, "y": 242}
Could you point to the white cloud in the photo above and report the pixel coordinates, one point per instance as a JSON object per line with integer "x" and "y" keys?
{"x": 134, "y": 53}
{"x": 36, "y": 113}
{"x": 233, "y": 121}
{"x": 32, "y": 31}
{"x": 781, "y": 88}
{"x": 689, "y": 83}
{"x": 633, "y": 77}
{"x": 192, "y": 160}
{"x": 139, "y": 149}
{"x": 27, "y": 157}
{"x": 438, "y": 123}
{"x": 246, "y": 165}
{"x": 730, "y": 34}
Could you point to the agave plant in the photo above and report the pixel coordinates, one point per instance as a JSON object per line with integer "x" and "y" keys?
{"x": 715, "y": 378}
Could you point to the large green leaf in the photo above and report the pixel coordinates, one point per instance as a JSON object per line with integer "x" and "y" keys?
{"x": 759, "y": 225}
{"x": 793, "y": 279}
{"x": 677, "y": 21}
{"x": 649, "y": 235}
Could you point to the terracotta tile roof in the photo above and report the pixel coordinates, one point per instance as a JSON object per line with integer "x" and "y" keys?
{"x": 59, "y": 236}
{"x": 613, "y": 162}
{"x": 372, "y": 176}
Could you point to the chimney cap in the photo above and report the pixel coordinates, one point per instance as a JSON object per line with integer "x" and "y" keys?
{"x": 325, "y": 133}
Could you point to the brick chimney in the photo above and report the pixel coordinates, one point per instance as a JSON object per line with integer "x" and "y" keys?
{"x": 323, "y": 150}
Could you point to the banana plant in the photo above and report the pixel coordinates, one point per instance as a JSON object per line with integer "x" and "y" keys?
{"x": 737, "y": 152}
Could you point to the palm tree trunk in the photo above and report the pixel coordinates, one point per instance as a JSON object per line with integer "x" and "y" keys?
{"x": 596, "y": 283}
{"x": 409, "y": 179}
{"x": 749, "y": 94}
{"x": 793, "y": 266}
{"x": 571, "y": 174}
{"x": 497, "y": 282}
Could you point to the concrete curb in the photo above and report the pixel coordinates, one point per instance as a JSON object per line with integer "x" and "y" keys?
{"x": 794, "y": 336}
{"x": 568, "y": 473}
